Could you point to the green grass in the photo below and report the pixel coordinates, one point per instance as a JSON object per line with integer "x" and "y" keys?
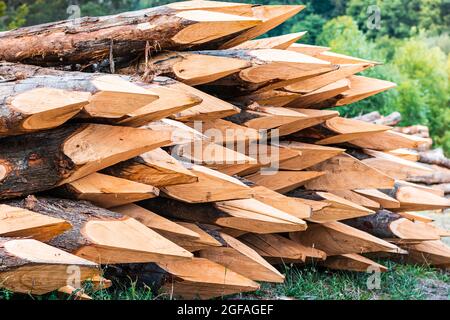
{"x": 401, "y": 282}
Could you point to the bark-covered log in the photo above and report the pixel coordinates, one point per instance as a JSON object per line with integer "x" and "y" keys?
{"x": 376, "y": 118}
{"x": 44, "y": 160}
{"x": 101, "y": 235}
{"x": 92, "y": 40}
{"x": 436, "y": 157}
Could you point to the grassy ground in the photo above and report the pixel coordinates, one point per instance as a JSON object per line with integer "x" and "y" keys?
{"x": 402, "y": 282}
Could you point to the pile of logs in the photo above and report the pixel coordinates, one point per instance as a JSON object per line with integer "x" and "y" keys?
{"x": 174, "y": 146}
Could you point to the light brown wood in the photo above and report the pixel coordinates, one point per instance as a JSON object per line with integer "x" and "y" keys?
{"x": 156, "y": 222}
{"x": 307, "y": 49}
{"x": 271, "y": 16}
{"x": 211, "y": 186}
{"x": 415, "y": 217}
{"x": 349, "y": 129}
{"x": 203, "y": 279}
{"x": 338, "y": 58}
{"x": 344, "y": 172}
{"x": 406, "y": 154}
{"x": 384, "y": 200}
{"x": 205, "y": 240}
{"x": 241, "y": 258}
{"x": 389, "y": 140}
{"x": 155, "y": 168}
{"x": 21, "y": 223}
{"x": 72, "y": 293}
{"x": 415, "y": 199}
{"x": 171, "y": 100}
{"x": 286, "y": 204}
{"x": 311, "y": 154}
{"x": 270, "y": 98}
{"x": 336, "y": 238}
{"x": 281, "y": 42}
{"x": 32, "y": 267}
{"x": 107, "y": 191}
{"x": 284, "y": 181}
{"x": 356, "y": 198}
{"x": 434, "y": 253}
{"x": 179, "y": 132}
{"x": 353, "y": 262}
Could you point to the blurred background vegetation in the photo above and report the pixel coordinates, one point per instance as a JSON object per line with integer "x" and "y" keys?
{"x": 413, "y": 42}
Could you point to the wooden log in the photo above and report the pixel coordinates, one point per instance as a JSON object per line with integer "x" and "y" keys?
{"x": 338, "y": 58}
{"x": 389, "y": 140}
{"x": 395, "y": 167}
{"x": 434, "y": 253}
{"x": 155, "y": 168}
{"x": 336, "y": 238}
{"x": 444, "y": 187}
{"x": 269, "y": 69}
{"x": 276, "y": 248}
{"x": 281, "y": 121}
{"x": 308, "y": 49}
{"x": 344, "y": 172}
{"x": 205, "y": 240}
{"x": 192, "y": 68}
{"x": 312, "y": 85}
{"x": 413, "y": 198}
{"x": 92, "y": 40}
{"x": 271, "y": 16}
{"x": 436, "y": 157}
{"x": 156, "y": 222}
{"x": 316, "y": 97}
{"x": 352, "y": 262}
{"x": 406, "y": 154}
{"x": 239, "y": 257}
{"x": 179, "y": 132}
{"x": 284, "y": 181}
{"x": 416, "y": 130}
{"x": 338, "y": 209}
{"x": 239, "y": 215}
{"x": 101, "y": 235}
{"x": 210, "y": 108}
{"x": 415, "y": 217}
{"x": 204, "y": 279}
{"x": 270, "y": 98}
{"x": 357, "y": 199}
{"x": 438, "y": 175}
{"x": 375, "y": 117}
{"x": 171, "y": 100}
{"x": 211, "y": 186}
{"x": 311, "y": 155}
{"x": 106, "y": 191}
{"x": 383, "y": 199}
{"x": 71, "y": 152}
{"x": 286, "y": 204}
{"x": 32, "y": 267}
{"x": 388, "y": 225}
{"x": 22, "y": 223}
{"x": 282, "y": 42}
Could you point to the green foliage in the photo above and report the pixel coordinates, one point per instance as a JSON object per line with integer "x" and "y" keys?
{"x": 313, "y": 24}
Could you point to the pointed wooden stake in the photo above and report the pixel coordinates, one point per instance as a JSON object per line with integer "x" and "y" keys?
{"x": 281, "y": 42}
{"x": 104, "y": 236}
{"x": 204, "y": 279}
{"x": 205, "y": 240}
{"x": 21, "y": 223}
{"x": 238, "y": 257}
{"x": 352, "y": 262}
{"x": 336, "y": 238}
{"x": 284, "y": 181}
{"x": 270, "y": 98}
{"x": 32, "y": 267}
{"x": 308, "y": 49}
{"x": 357, "y": 199}
{"x": 384, "y": 200}
{"x": 107, "y": 191}
{"x": 211, "y": 186}
{"x": 155, "y": 168}
{"x": 156, "y": 222}
{"x": 389, "y": 140}
{"x": 434, "y": 253}
{"x": 72, "y": 293}
{"x": 344, "y": 172}
{"x": 71, "y": 152}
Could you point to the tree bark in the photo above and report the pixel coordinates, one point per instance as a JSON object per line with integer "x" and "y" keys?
{"x": 376, "y": 224}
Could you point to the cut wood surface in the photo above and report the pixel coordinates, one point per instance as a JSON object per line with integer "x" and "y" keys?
{"x": 434, "y": 253}
{"x": 353, "y": 262}
{"x": 258, "y": 219}
{"x": 205, "y": 239}
{"x": 271, "y": 17}
{"x": 32, "y": 267}
{"x": 274, "y": 98}
{"x": 282, "y": 42}
{"x": 155, "y": 168}
{"x": 204, "y": 279}
{"x": 22, "y": 223}
{"x": 241, "y": 258}
{"x": 308, "y": 49}
{"x": 211, "y": 186}
{"x": 71, "y": 152}
{"x": 344, "y": 172}
{"x": 284, "y": 181}
{"x": 336, "y": 238}
{"x": 357, "y": 198}
{"x": 388, "y": 225}
{"x": 101, "y": 235}
{"x": 156, "y": 222}
{"x": 107, "y": 191}
{"x": 383, "y": 199}
{"x": 338, "y": 58}
{"x": 89, "y": 40}
{"x": 389, "y": 140}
